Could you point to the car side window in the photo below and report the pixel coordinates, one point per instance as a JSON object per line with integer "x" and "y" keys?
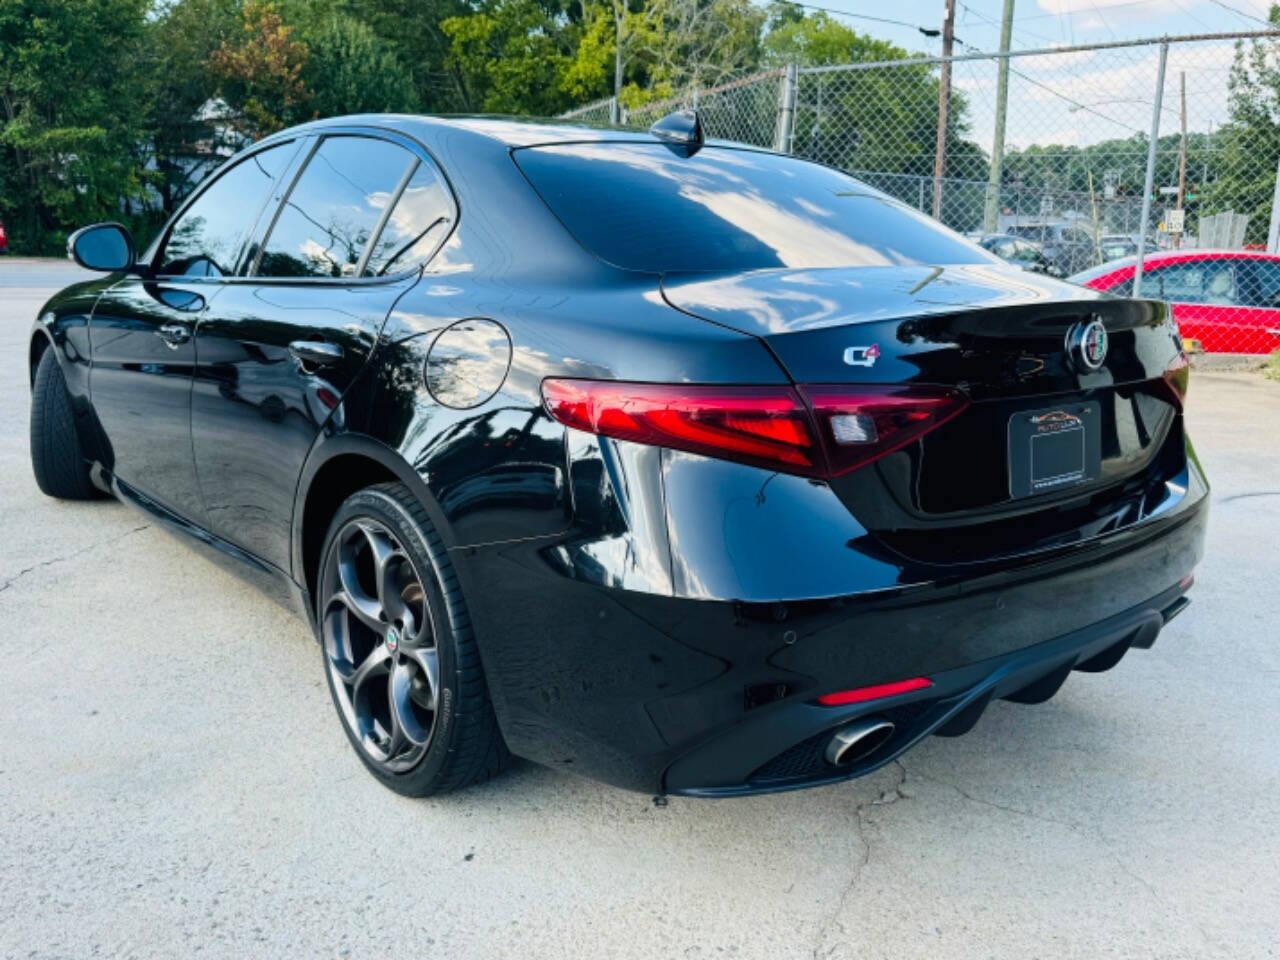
{"x": 1260, "y": 283}
{"x": 205, "y": 241}
{"x": 1198, "y": 281}
{"x": 334, "y": 208}
{"x": 1026, "y": 253}
{"x": 418, "y": 222}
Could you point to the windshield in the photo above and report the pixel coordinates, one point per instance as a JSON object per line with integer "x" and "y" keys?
{"x": 643, "y": 206}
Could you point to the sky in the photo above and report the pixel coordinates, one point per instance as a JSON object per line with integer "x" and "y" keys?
{"x": 1080, "y": 97}
{"x": 1043, "y": 23}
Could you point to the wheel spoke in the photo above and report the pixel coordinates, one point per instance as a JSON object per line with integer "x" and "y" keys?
{"x": 426, "y": 695}
{"x": 374, "y": 664}
{"x": 387, "y": 560}
{"x": 404, "y": 722}
{"x": 365, "y": 608}
{"x": 418, "y": 631}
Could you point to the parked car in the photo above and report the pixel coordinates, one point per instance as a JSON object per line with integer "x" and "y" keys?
{"x": 1067, "y": 247}
{"x": 687, "y": 466}
{"x": 1116, "y": 246}
{"x": 4, "y": 239}
{"x": 1021, "y": 253}
{"x": 1226, "y": 300}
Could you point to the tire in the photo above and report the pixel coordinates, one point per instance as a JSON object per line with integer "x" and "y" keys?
{"x": 57, "y": 458}
{"x": 398, "y": 650}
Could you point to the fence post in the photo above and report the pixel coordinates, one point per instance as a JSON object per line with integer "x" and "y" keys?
{"x": 784, "y": 131}
{"x": 1273, "y": 232}
{"x": 1149, "y": 183}
{"x": 991, "y": 208}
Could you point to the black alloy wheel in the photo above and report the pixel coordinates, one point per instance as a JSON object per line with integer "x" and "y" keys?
{"x": 399, "y": 653}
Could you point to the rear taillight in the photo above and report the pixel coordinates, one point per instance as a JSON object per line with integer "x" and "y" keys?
{"x": 816, "y": 431}
{"x": 767, "y": 426}
{"x": 861, "y": 424}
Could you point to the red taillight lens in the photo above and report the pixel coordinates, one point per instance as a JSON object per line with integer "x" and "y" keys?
{"x": 767, "y": 426}
{"x": 820, "y": 431}
{"x": 1178, "y": 378}
{"x": 861, "y": 424}
{"x": 861, "y": 694}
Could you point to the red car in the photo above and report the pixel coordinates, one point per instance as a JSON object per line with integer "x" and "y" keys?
{"x": 4, "y": 239}
{"x": 1227, "y": 300}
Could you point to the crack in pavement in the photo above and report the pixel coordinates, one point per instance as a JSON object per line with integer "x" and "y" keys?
{"x": 886, "y": 797}
{"x": 1249, "y": 496}
{"x": 70, "y": 556}
{"x": 1075, "y": 827}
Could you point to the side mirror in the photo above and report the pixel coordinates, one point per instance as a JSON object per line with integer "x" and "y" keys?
{"x": 103, "y": 246}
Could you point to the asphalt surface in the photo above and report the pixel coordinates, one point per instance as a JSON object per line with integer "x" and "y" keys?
{"x": 173, "y": 778}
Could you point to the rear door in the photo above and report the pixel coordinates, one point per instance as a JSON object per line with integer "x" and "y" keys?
{"x": 287, "y": 340}
{"x": 143, "y": 333}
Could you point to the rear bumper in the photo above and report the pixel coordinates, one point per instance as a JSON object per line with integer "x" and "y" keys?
{"x": 731, "y": 765}
{"x": 607, "y": 662}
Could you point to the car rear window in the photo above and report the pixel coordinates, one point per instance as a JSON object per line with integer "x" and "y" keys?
{"x": 643, "y": 206}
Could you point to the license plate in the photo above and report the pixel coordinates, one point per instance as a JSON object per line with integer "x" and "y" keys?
{"x": 1054, "y": 448}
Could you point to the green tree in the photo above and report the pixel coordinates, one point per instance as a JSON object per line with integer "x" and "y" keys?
{"x": 881, "y": 123}
{"x": 260, "y": 71}
{"x": 1250, "y": 142}
{"x": 181, "y": 38}
{"x": 351, "y": 69}
{"x": 652, "y": 49}
{"x": 511, "y": 55}
{"x": 72, "y": 116}
{"x": 413, "y": 30}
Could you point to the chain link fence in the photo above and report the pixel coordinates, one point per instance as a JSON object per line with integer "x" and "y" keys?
{"x": 1146, "y": 167}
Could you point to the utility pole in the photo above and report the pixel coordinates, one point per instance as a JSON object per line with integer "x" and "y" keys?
{"x": 1002, "y": 104}
{"x": 1149, "y": 183}
{"x": 1182, "y": 160}
{"x": 944, "y": 104}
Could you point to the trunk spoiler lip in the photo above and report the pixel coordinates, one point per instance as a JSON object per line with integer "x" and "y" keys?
{"x": 778, "y": 301}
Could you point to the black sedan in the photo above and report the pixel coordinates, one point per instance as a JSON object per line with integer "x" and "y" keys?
{"x": 687, "y": 466}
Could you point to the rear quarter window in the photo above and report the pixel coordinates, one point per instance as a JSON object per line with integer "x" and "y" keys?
{"x": 642, "y": 206}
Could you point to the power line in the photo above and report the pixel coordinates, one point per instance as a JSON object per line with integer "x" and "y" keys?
{"x": 995, "y": 23}
{"x": 1061, "y": 96}
{"x": 1097, "y": 7}
{"x": 1187, "y": 12}
{"x": 1241, "y": 13}
{"x": 927, "y": 31}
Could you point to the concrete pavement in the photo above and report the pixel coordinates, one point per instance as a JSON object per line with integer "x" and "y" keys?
{"x": 173, "y": 780}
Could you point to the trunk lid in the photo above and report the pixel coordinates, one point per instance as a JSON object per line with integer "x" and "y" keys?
{"x": 998, "y": 335}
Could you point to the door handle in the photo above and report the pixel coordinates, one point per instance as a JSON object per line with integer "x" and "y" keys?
{"x": 316, "y": 353}
{"x": 174, "y": 334}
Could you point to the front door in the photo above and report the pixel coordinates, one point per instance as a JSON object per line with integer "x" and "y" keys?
{"x": 140, "y": 383}
{"x": 284, "y": 345}
{"x": 143, "y": 334}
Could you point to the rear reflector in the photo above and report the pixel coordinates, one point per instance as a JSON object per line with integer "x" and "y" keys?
{"x": 815, "y": 431}
{"x": 861, "y": 694}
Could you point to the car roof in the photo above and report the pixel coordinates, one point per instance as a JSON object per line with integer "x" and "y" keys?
{"x": 1174, "y": 256}
{"x": 507, "y": 132}
{"x": 1170, "y": 256}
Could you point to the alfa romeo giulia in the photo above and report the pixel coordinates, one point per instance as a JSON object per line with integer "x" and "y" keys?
{"x": 687, "y": 466}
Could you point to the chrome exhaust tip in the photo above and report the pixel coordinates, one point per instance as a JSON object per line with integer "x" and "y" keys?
{"x": 858, "y": 741}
